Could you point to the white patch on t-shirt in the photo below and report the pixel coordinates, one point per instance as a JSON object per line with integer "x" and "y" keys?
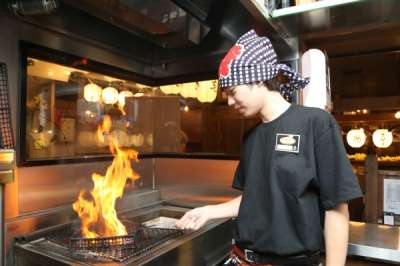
{"x": 287, "y": 142}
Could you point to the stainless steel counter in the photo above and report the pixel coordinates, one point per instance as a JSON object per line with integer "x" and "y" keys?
{"x": 373, "y": 241}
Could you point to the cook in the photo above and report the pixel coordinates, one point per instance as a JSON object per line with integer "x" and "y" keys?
{"x": 295, "y": 178}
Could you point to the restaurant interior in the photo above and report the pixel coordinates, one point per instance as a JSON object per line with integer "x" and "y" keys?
{"x": 94, "y": 82}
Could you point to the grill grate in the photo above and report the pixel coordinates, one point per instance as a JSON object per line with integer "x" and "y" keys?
{"x": 139, "y": 240}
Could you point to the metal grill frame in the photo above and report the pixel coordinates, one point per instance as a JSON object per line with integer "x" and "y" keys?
{"x": 120, "y": 248}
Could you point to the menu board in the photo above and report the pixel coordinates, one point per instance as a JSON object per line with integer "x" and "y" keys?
{"x": 391, "y": 195}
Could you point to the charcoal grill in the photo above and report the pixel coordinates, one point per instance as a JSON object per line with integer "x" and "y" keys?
{"x": 139, "y": 240}
{"x": 143, "y": 245}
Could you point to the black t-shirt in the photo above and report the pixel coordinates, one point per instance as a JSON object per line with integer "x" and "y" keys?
{"x": 291, "y": 169}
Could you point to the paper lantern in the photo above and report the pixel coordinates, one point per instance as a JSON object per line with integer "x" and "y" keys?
{"x": 356, "y": 137}
{"x": 189, "y": 90}
{"x": 109, "y": 95}
{"x": 92, "y": 92}
{"x": 170, "y": 89}
{"x": 207, "y": 91}
{"x": 382, "y": 138}
{"x": 122, "y": 95}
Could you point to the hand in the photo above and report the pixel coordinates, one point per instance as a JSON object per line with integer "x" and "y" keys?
{"x": 194, "y": 219}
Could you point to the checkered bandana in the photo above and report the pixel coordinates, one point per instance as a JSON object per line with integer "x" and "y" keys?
{"x": 253, "y": 59}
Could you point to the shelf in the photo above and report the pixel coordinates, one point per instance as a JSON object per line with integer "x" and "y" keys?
{"x": 304, "y": 8}
{"x": 334, "y": 16}
{"x": 285, "y": 46}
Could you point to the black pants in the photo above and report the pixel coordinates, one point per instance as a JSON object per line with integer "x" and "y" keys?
{"x": 235, "y": 263}
{"x": 237, "y": 258}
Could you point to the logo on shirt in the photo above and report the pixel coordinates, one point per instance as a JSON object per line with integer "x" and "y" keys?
{"x": 287, "y": 142}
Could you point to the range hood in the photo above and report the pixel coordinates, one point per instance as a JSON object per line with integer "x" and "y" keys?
{"x": 184, "y": 40}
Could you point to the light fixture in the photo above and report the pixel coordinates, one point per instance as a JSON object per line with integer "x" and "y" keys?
{"x": 170, "y": 89}
{"x": 207, "y": 91}
{"x": 92, "y": 92}
{"x": 138, "y": 94}
{"x": 204, "y": 91}
{"x": 310, "y": 7}
{"x": 356, "y": 138}
{"x": 109, "y": 95}
{"x": 186, "y": 108}
{"x": 382, "y": 138}
{"x": 189, "y": 90}
{"x": 397, "y": 115}
{"x": 122, "y": 95}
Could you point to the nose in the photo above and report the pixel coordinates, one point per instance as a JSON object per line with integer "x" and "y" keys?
{"x": 231, "y": 101}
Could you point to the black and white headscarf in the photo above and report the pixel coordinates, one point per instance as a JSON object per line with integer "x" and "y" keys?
{"x": 253, "y": 59}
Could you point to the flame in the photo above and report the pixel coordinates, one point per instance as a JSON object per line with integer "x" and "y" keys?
{"x": 98, "y": 215}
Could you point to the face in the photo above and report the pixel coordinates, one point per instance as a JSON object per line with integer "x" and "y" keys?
{"x": 247, "y": 99}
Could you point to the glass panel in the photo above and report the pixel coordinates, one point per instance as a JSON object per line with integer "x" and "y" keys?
{"x": 66, "y": 105}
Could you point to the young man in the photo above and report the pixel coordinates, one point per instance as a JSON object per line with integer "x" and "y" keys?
{"x": 294, "y": 173}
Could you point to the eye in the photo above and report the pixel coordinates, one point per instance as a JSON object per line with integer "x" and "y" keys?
{"x": 232, "y": 92}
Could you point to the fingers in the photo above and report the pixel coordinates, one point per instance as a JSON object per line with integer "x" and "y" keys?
{"x": 199, "y": 223}
{"x": 187, "y": 222}
{"x": 191, "y": 220}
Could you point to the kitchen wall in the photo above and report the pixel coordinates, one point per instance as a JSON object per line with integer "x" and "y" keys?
{"x": 45, "y": 187}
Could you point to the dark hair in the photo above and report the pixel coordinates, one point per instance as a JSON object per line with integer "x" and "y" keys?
{"x": 272, "y": 84}
{"x": 275, "y": 83}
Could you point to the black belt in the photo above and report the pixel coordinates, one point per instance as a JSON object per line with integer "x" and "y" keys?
{"x": 262, "y": 258}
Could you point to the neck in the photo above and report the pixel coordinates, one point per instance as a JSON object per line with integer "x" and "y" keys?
{"x": 273, "y": 107}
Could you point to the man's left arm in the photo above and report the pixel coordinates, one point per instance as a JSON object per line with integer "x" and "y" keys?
{"x": 336, "y": 235}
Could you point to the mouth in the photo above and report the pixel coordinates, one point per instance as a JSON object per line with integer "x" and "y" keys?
{"x": 240, "y": 109}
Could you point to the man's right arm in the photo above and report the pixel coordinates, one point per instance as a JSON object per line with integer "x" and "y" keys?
{"x": 196, "y": 218}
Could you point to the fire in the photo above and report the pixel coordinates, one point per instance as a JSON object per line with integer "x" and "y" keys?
{"x": 98, "y": 215}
